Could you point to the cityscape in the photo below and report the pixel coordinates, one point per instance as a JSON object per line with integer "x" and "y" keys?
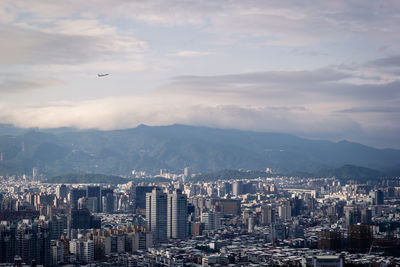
{"x": 272, "y": 221}
{"x": 191, "y": 133}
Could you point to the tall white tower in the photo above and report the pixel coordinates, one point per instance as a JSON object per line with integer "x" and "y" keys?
{"x": 35, "y": 174}
{"x": 156, "y": 214}
{"x": 177, "y": 215}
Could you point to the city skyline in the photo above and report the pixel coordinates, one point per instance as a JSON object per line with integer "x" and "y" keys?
{"x": 317, "y": 70}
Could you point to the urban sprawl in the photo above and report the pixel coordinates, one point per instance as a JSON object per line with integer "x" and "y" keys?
{"x": 277, "y": 221}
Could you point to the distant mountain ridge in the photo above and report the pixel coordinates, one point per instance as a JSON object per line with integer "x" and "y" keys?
{"x": 345, "y": 172}
{"x": 87, "y": 179}
{"x": 118, "y": 152}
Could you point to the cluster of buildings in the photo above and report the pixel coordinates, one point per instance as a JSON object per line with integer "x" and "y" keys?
{"x": 262, "y": 222}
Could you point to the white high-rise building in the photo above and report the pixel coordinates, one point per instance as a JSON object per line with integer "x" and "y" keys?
{"x": 35, "y": 174}
{"x": 156, "y": 214}
{"x": 211, "y": 220}
{"x": 57, "y": 252}
{"x": 285, "y": 211}
{"x": 187, "y": 172}
{"x": 237, "y": 188}
{"x": 88, "y": 251}
{"x": 177, "y": 215}
{"x": 250, "y": 224}
{"x": 83, "y": 249}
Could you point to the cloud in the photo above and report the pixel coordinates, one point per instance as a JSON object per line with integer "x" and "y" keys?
{"x": 371, "y": 110}
{"x": 392, "y": 61}
{"x": 114, "y": 113}
{"x": 191, "y": 53}
{"x": 26, "y": 46}
{"x": 277, "y": 22}
{"x": 14, "y": 83}
{"x": 327, "y": 86}
{"x": 269, "y": 77}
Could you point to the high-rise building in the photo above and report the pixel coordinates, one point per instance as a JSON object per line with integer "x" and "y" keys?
{"x": 251, "y": 222}
{"x": 104, "y": 192}
{"x": 187, "y": 172}
{"x": 352, "y": 215}
{"x": 35, "y": 175}
{"x": 28, "y": 239}
{"x": 267, "y": 215}
{"x": 82, "y": 219}
{"x": 237, "y": 188}
{"x": 198, "y": 228}
{"x": 378, "y": 199}
{"x": 88, "y": 251}
{"x": 95, "y": 191}
{"x": 76, "y": 194}
{"x": 285, "y": 211}
{"x": 57, "y": 252}
{"x": 211, "y": 220}
{"x": 141, "y": 241}
{"x": 156, "y": 214}
{"x": 62, "y": 191}
{"x": 83, "y": 249}
{"x": 177, "y": 215}
{"x": 89, "y": 203}
{"x": 58, "y": 224}
{"x": 279, "y": 231}
{"x": 108, "y": 203}
{"x": 140, "y": 196}
{"x": 366, "y": 215}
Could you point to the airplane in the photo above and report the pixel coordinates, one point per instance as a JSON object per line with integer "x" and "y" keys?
{"x": 102, "y": 75}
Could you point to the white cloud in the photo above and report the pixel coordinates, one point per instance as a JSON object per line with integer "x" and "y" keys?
{"x": 26, "y": 46}
{"x": 191, "y": 53}
{"x": 280, "y": 22}
{"x": 14, "y": 83}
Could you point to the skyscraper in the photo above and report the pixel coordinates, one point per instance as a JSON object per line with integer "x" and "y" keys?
{"x": 177, "y": 215}
{"x": 285, "y": 211}
{"x": 237, "y": 188}
{"x": 94, "y": 191}
{"x": 76, "y": 194}
{"x": 187, "y": 172}
{"x": 156, "y": 214}
{"x": 62, "y": 191}
{"x": 35, "y": 174}
{"x": 267, "y": 215}
{"x": 108, "y": 203}
{"x": 140, "y": 196}
{"x": 378, "y": 199}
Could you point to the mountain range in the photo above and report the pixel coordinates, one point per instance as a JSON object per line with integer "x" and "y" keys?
{"x": 118, "y": 152}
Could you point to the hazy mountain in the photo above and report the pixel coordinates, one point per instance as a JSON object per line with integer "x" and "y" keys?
{"x": 87, "y": 178}
{"x": 117, "y": 152}
{"x": 351, "y": 172}
{"x": 344, "y": 172}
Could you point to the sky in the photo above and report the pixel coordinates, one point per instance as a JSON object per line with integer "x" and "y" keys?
{"x": 316, "y": 69}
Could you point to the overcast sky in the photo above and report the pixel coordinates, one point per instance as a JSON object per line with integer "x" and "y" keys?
{"x": 317, "y": 69}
